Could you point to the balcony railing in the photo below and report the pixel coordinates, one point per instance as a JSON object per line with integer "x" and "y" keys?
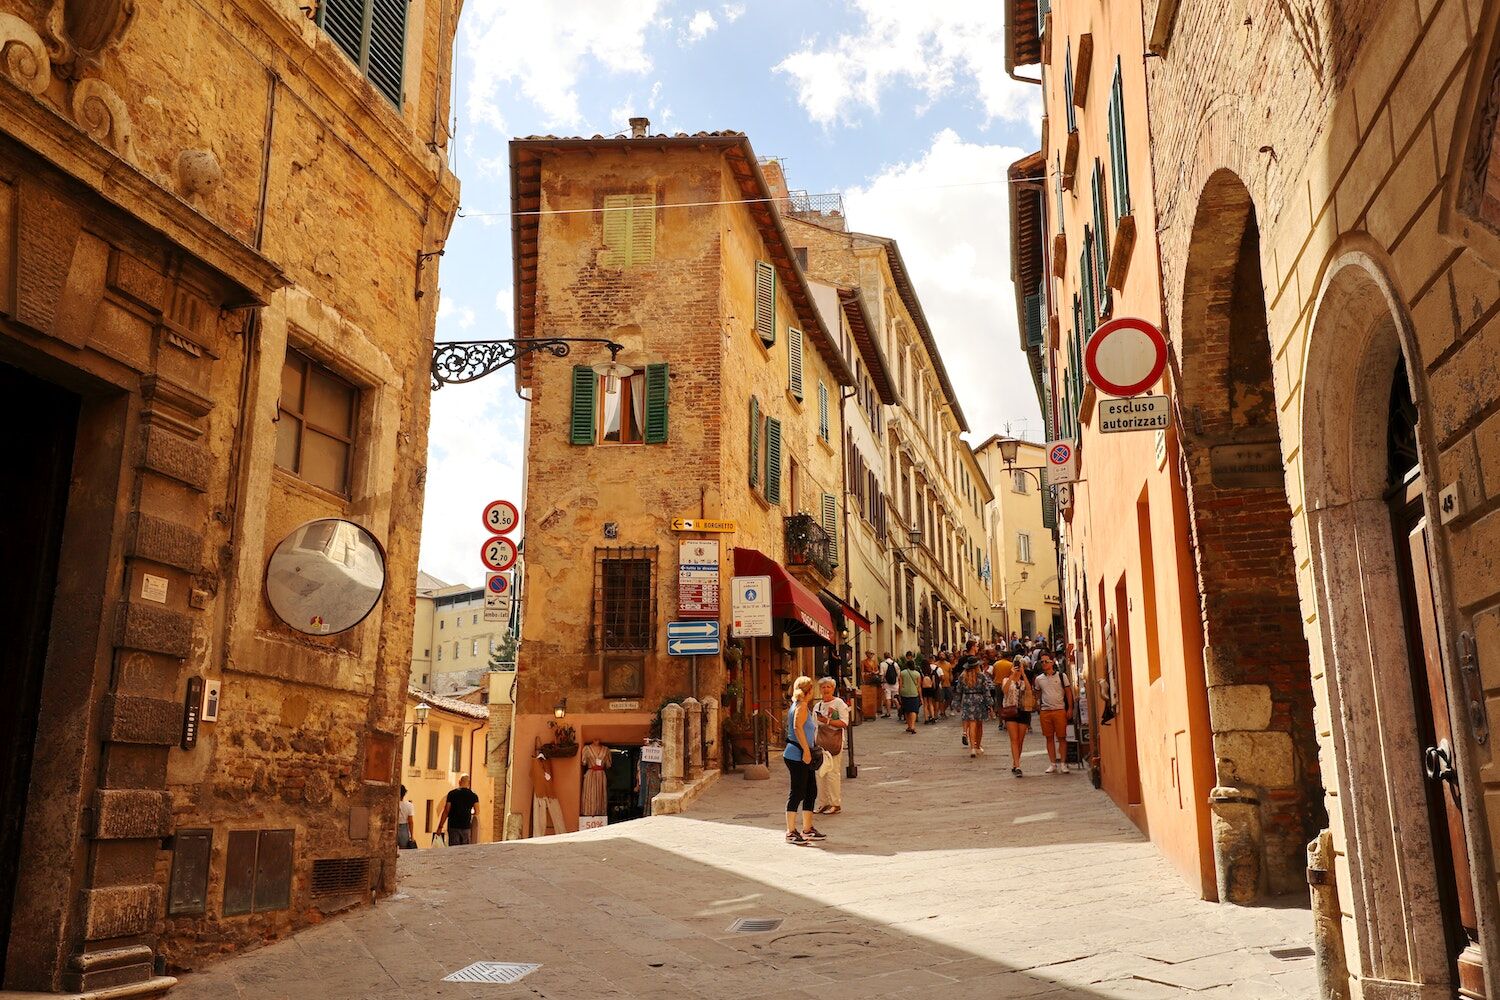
{"x": 807, "y": 544}
{"x": 826, "y": 210}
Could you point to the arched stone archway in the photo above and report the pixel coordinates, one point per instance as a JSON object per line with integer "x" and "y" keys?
{"x": 1375, "y": 633}
{"x": 1269, "y": 799}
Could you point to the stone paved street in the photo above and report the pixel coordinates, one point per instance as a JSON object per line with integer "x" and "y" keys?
{"x": 945, "y": 877}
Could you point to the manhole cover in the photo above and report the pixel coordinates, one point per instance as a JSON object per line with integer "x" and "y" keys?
{"x": 822, "y": 944}
{"x": 754, "y": 925}
{"x": 1291, "y": 954}
{"x": 492, "y": 972}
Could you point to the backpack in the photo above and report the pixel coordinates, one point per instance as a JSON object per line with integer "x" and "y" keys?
{"x": 891, "y": 674}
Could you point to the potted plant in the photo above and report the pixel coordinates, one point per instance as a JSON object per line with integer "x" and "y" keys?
{"x": 564, "y": 742}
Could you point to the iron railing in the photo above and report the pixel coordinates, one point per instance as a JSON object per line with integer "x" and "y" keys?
{"x": 825, "y": 210}
{"x": 808, "y": 544}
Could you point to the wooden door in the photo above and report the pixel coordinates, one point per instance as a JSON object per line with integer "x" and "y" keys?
{"x": 1435, "y": 730}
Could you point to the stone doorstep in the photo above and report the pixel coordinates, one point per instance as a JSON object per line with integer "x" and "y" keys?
{"x": 672, "y": 803}
{"x": 146, "y": 990}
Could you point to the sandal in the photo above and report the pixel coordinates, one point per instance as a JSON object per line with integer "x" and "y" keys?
{"x": 822, "y": 809}
{"x": 834, "y": 811}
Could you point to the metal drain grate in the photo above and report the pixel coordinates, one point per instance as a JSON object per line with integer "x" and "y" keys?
{"x": 492, "y": 972}
{"x": 1291, "y": 954}
{"x": 754, "y": 925}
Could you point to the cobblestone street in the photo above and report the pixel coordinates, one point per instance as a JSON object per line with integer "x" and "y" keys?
{"x": 1029, "y": 888}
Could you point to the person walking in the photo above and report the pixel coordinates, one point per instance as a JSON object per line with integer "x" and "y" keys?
{"x": 909, "y": 682}
{"x": 831, "y": 711}
{"x": 928, "y": 701}
{"x": 889, "y": 674}
{"x": 1055, "y": 699}
{"x": 975, "y": 693}
{"x": 801, "y": 739}
{"x": 1016, "y": 703}
{"x": 406, "y": 839}
{"x": 458, "y": 814}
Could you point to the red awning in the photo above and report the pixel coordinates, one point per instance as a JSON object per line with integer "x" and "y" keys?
{"x": 807, "y": 621}
{"x": 847, "y": 610}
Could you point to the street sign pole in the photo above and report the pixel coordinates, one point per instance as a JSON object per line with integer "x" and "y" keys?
{"x": 695, "y": 675}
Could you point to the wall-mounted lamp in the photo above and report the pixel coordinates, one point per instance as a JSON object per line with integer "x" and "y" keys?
{"x": 421, "y": 713}
{"x": 561, "y": 708}
{"x": 612, "y": 371}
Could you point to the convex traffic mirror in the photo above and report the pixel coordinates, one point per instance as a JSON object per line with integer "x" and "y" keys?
{"x": 326, "y": 576}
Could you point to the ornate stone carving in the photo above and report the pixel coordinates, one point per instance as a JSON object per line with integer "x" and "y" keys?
{"x": 81, "y": 29}
{"x": 23, "y": 55}
{"x": 99, "y": 111}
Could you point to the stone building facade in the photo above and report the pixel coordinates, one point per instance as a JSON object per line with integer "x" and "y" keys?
{"x": 1021, "y": 565}
{"x": 1324, "y": 200}
{"x": 215, "y": 321}
{"x": 727, "y": 409}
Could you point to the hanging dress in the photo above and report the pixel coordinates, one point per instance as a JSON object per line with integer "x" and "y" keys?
{"x": 595, "y": 791}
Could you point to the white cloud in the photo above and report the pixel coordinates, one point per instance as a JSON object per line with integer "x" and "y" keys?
{"x": 938, "y": 47}
{"x": 732, "y": 12}
{"x": 698, "y": 27}
{"x": 543, "y": 47}
{"x": 949, "y": 212}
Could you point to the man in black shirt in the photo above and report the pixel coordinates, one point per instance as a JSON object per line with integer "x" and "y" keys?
{"x": 458, "y": 813}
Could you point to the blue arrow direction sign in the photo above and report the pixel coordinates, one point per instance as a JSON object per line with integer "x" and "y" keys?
{"x": 697, "y": 638}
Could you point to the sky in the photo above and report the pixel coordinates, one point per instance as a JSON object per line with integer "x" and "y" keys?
{"x": 904, "y": 108}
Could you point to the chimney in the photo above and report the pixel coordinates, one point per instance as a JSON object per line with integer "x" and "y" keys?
{"x": 639, "y": 127}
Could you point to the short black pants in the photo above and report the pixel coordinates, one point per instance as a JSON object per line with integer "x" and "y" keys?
{"x": 804, "y": 790}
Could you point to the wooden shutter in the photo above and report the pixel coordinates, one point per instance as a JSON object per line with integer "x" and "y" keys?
{"x": 1101, "y": 243}
{"x": 617, "y": 216}
{"x": 642, "y": 229}
{"x": 585, "y": 387}
{"x": 794, "y": 361}
{"x": 656, "y": 404}
{"x": 823, "y": 411}
{"x": 386, "y": 57}
{"x": 754, "y": 442}
{"x": 344, "y": 21}
{"x": 1068, "y": 88}
{"x": 1033, "y": 320}
{"x": 773, "y": 460}
{"x": 1118, "y": 160}
{"x": 831, "y": 525}
{"x": 765, "y": 302}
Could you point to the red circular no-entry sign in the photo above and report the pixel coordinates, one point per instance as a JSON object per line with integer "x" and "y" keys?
{"x": 1125, "y": 356}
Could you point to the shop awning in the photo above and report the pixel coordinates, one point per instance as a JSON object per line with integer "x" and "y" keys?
{"x": 805, "y": 620}
{"x": 843, "y": 607}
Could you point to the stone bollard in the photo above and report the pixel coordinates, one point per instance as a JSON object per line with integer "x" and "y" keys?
{"x": 1237, "y": 844}
{"x": 711, "y": 730}
{"x": 671, "y": 748}
{"x": 1328, "y": 926}
{"x": 692, "y": 717}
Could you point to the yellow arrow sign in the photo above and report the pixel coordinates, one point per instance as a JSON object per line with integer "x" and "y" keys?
{"x": 702, "y": 524}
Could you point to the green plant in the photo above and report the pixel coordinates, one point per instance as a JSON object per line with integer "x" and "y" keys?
{"x": 731, "y": 690}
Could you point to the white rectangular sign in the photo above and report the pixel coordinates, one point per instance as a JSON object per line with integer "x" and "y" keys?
{"x": 1062, "y": 462}
{"x": 1137, "y": 413}
{"x": 750, "y": 605}
{"x": 698, "y": 578}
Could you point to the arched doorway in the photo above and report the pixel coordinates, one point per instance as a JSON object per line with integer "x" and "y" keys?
{"x": 1269, "y": 798}
{"x": 1377, "y": 620}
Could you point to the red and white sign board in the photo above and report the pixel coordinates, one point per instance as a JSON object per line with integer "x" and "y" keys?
{"x": 498, "y": 554}
{"x": 698, "y": 579}
{"x": 501, "y": 517}
{"x": 1062, "y": 463}
{"x": 1125, "y": 357}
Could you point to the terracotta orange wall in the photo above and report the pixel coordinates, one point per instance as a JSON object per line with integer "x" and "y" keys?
{"x": 1167, "y": 701}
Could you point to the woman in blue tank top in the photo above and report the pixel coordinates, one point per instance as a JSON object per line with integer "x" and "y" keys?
{"x": 800, "y": 731}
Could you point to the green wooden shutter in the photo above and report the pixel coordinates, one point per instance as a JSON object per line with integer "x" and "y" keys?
{"x": 1034, "y": 320}
{"x": 585, "y": 386}
{"x": 794, "y": 361}
{"x": 823, "y": 411}
{"x": 765, "y": 302}
{"x": 656, "y": 404}
{"x": 642, "y": 229}
{"x": 616, "y": 224}
{"x": 1068, "y": 88}
{"x": 1101, "y": 244}
{"x": 1118, "y": 159}
{"x": 386, "y": 58}
{"x": 773, "y": 460}
{"x": 1049, "y": 503}
{"x": 754, "y": 442}
{"x": 830, "y": 518}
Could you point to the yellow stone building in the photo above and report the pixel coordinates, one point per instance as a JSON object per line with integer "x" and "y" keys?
{"x": 450, "y": 738}
{"x": 1023, "y": 583}
{"x": 453, "y": 642}
{"x": 218, "y": 309}
{"x": 725, "y": 407}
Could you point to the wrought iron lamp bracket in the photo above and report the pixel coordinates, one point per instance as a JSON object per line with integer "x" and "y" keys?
{"x": 455, "y": 362}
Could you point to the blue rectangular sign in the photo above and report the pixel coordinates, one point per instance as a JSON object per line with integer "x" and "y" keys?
{"x": 695, "y": 638}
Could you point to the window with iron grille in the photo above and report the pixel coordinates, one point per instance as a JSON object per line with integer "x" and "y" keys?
{"x": 624, "y": 598}
{"x": 373, "y": 34}
{"x": 340, "y": 876}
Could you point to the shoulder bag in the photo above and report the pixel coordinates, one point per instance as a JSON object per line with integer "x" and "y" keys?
{"x": 1027, "y": 699}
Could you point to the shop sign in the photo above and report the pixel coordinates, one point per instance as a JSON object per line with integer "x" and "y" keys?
{"x": 698, "y": 579}
{"x": 1140, "y": 413}
{"x": 651, "y": 753}
{"x": 703, "y": 524}
{"x": 750, "y": 606}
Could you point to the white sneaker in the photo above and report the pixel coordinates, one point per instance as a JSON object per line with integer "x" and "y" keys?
{"x": 1051, "y": 768}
